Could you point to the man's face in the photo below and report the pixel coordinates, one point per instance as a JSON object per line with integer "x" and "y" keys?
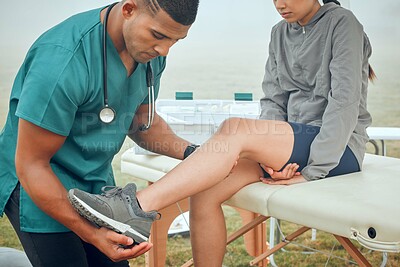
{"x": 147, "y": 36}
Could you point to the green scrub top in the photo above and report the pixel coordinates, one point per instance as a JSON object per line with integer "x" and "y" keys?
{"x": 59, "y": 87}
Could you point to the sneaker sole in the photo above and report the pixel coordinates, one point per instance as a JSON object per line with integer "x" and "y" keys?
{"x": 103, "y": 221}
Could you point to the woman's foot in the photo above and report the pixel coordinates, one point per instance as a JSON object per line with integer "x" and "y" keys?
{"x": 117, "y": 209}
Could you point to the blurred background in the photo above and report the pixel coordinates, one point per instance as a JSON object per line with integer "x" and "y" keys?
{"x": 225, "y": 52}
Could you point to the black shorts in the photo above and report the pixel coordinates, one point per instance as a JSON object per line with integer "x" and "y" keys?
{"x": 303, "y": 137}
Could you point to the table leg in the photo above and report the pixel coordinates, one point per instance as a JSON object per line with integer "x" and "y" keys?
{"x": 159, "y": 233}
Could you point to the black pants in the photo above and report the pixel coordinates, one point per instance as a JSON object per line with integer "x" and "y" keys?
{"x": 55, "y": 249}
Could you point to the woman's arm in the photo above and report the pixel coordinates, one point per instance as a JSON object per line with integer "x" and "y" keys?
{"x": 341, "y": 114}
{"x": 274, "y": 102}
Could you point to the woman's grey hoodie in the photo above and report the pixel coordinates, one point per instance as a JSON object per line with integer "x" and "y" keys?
{"x": 317, "y": 74}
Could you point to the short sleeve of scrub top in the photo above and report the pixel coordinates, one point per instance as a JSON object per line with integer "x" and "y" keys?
{"x": 53, "y": 89}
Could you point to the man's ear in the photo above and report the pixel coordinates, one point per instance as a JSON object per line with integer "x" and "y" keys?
{"x": 129, "y": 8}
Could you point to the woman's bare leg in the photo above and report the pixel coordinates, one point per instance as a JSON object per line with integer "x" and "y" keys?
{"x": 267, "y": 142}
{"x": 207, "y": 222}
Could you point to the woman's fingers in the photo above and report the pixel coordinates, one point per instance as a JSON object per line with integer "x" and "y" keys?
{"x": 295, "y": 180}
{"x": 234, "y": 165}
{"x": 291, "y": 170}
{"x": 267, "y": 169}
{"x": 288, "y": 172}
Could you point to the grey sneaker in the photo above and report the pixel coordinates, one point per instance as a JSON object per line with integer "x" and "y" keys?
{"x": 117, "y": 209}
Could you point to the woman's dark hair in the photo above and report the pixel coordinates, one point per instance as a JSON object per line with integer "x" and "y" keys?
{"x": 334, "y": 1}
{"x": 371, "y": 74}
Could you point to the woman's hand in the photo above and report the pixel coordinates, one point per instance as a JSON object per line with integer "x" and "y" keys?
{"x": 295, "y": 180}
{"x": 289, "y": 175}
{"x": 235, "y": 164}
{"x": 288, "y": 172}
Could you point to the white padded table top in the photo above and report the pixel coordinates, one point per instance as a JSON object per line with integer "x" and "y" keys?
{"x": 349, "y": 205}
{"x": 158, "y": 163}
{"x": 384, "y": 133}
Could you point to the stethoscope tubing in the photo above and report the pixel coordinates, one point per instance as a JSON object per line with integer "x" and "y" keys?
{"x": 109, "y": 112}
{"x": 150, "y": 87}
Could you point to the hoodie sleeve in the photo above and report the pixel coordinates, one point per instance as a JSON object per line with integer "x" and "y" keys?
{"x": 274, "y": 102}
{"x": 340, "y": 116}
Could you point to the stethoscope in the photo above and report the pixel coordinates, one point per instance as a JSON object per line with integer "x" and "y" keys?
{"x": 107, "y": 114}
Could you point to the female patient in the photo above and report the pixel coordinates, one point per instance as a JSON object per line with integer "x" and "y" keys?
{"x": 313, "y": 125}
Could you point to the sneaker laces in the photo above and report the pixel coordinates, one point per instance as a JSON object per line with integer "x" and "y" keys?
{"x": 111, "y": 191}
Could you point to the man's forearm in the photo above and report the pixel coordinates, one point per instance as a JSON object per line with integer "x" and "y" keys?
{"x": 47, "y": 192}
{"x": 161, "y": 139}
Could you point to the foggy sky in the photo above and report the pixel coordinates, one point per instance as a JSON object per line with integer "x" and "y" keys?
{"x": 21, "y": 22}
{"x": 229, "y": 35}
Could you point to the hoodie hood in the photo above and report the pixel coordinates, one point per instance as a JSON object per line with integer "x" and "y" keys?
{"x": 320, "y": 13}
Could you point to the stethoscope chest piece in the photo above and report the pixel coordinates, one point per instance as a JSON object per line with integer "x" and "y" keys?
{"x": 107, "y": 114}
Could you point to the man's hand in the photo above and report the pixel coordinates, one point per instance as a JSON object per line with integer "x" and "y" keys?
{"x": 289, "y": 175}
{"x": 118, "y": 247}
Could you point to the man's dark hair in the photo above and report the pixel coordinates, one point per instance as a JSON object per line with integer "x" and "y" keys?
{"x": 334, "y": 1}
{"x": 182, "y": 11}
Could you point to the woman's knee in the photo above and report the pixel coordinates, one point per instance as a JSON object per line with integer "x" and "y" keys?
{"x": 235, "y": 127}
{"x": 253, "y": 127}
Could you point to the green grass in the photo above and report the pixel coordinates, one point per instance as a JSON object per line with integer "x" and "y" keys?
{"x": 179, "y": 250}
{"x": 8, "y": 237}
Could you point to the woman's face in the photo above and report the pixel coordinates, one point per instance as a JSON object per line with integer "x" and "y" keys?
{"x": 300, "y": 11}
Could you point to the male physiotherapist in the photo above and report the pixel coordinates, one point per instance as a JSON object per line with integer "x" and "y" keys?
{"x": 83, "y": 87}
